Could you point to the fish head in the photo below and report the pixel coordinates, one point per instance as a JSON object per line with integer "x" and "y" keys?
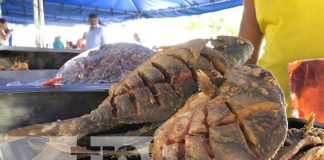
{"x": 236, "y": 49}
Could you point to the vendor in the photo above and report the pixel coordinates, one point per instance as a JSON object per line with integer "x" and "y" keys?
{"x": 293, "y": 30}
{"x": 4, "y": 36}
{"x": 95, "y": 36}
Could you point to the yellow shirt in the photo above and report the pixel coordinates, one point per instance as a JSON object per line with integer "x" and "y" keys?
{"x": 294, "y": 30}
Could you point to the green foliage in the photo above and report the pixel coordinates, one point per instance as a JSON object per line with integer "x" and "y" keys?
{"x": 214, "y": 24}
{"x": 195, "y": 23}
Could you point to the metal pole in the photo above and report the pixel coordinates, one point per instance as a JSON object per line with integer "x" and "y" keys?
{"x": 0, "y": 9}
{"x": 41, "y": 22}
{"x": 36, "y": 21}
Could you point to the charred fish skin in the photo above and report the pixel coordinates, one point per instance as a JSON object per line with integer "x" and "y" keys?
{"x": 165, "y": 82}
{"x": 240, "y": 122}
{"x": 300, "y": 144}
{"x": 155, "y": 90}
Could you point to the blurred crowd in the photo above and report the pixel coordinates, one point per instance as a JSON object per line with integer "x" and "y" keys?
{"x": 93, "y": 38}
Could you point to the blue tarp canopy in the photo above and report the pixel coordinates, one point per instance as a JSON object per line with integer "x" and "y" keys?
{"x": 63, "y": 12}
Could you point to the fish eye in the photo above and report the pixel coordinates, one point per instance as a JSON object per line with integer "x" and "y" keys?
{"x": 221, "y": 47}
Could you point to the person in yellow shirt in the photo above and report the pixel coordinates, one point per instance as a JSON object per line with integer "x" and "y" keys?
{"x": 292, "y": 29}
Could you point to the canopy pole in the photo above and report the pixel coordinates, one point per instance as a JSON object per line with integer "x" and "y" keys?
{"x": 35, "y": 7}
{"x": 39, "y": 21}
{"x": 41, "y": 12}
{"x": 1, "y": 8}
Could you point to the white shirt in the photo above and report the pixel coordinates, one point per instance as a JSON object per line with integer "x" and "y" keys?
{"x": 95, "y": 38}
{"x": 3, "y": 42}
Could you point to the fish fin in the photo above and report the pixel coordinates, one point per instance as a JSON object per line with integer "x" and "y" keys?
{"x": 205, "y": 84}
{"x": 165, "y": 47}
{"x": 310, "y": 123}
{"x": 195, "y": 46}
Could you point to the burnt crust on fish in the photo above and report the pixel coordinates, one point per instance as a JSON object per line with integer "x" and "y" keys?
{"x": 302, "y": 145}
{"x": 240, "y": 122}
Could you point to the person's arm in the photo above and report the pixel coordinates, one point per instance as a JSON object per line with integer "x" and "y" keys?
{"x": 250, "y": 30}
{"x": 5, "y": 36}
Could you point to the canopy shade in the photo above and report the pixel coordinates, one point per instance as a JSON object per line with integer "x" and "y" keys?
{"x": 67, "y": 12}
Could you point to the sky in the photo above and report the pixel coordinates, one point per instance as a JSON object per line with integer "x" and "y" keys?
{"x": 153, "y": 32}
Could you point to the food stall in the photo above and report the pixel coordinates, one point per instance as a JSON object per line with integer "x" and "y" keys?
{"x": 195, "y": 100}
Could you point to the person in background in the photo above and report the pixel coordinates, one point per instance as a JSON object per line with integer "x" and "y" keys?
{"x": 58, "y": 44}
{"x": 69, "y": 44}
{"x": 10, "y": 38}
{"x": 137, "y": 39}
{"x": 4, "y": 36}
{"x": 82, "y": 41}
{"x": 95, "y": 36}
{"x": 293, "y": 30}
